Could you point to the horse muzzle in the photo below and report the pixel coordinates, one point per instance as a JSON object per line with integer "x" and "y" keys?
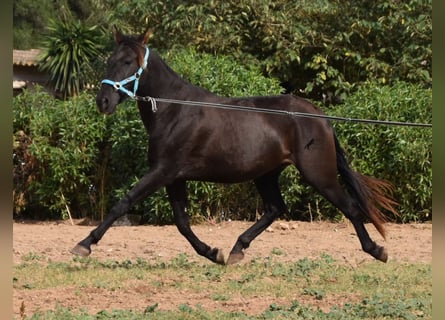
{"x": 107, "y": 101}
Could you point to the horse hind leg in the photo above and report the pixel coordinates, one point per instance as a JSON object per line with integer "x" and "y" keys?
{"x": 320, "y": 171}
{"x": 177, "y": 193}
{"x": 350, "y": 208}
{"x": 273, "y": 206}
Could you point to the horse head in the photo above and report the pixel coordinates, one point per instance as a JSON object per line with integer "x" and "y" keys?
{"x": 124, "y": 68}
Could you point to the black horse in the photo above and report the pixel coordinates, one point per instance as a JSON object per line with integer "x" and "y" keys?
{"x": 226, "y": 146}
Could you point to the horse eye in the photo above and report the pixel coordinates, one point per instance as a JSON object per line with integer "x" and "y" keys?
{"x": 127, "y": 61}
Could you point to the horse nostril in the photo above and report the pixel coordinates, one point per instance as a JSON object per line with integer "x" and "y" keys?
{"x": 102, "y": 102}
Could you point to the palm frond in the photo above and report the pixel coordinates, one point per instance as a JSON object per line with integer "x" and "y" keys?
{"x": 70, "y": 51}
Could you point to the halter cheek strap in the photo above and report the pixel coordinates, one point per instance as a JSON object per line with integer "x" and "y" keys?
{"x": 120, "y": 85}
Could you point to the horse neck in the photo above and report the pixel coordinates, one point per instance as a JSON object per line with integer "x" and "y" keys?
{"x": 162, "y": 82}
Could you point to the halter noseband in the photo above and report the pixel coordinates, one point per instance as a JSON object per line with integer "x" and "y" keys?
{"x": 120, "y": 85}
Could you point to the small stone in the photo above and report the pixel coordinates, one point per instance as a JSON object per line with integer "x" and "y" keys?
{"x": 283, "y": 226}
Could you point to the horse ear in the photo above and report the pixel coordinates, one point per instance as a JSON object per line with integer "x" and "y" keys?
{"x": 145, "y": 36}
{"x": 117, "y": 34}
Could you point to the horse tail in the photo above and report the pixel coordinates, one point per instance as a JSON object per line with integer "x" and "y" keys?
{"x": 373, "y": 195}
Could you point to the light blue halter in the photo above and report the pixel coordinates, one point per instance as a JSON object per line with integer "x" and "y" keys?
{"x": 120, "y": 85}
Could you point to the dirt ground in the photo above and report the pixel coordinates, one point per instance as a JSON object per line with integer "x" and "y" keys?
{"x": 53, "y": 240}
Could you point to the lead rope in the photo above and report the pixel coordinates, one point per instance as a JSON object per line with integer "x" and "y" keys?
{"x": 279, "y": 112}
{"x": 154, "y": 107}
{"x": 119, "y": 86}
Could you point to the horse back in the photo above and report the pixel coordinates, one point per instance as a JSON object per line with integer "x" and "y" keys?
{"x": 211, "y": 144}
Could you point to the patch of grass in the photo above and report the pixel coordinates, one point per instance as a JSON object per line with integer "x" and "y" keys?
{"x": 371, "y": 291}
{"x": 221, "y": 297}
{"x": 278, "y": 252}
{"x": 32, "y": 256}
{"x": 374, "y": 308}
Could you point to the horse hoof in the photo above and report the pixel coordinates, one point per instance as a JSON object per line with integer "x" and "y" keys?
{"x": 383, "y": 255}
{"x": 79, "y": 250}
{"x": 220, "y": 257}
{"x": 235, "y": 258}
{"x": 216, "y": 255}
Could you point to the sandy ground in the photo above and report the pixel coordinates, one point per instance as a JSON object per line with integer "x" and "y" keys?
{"x": 53, "y": 240}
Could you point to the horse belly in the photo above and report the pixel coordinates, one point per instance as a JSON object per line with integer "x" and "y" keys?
{"x": 239, "y": 161}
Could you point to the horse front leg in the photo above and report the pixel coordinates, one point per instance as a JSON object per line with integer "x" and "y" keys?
{"x": 177, "y": 193}
{"x": 273, "y": 206}
{"x": 149, "y": 183}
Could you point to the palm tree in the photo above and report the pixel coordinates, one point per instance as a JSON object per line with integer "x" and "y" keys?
{"x": 70, "y": 51}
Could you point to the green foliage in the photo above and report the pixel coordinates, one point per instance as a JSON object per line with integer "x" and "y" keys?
{"x": 87, "y": 162}
{"x": 30, "y": 18}
{"x": 68, "y": 156}
{"x": 107, "y": 155}
{"x": 304, "y": 44}
{"x": 62, "y": 144}
{"x": 71, "y": 50}
{"x": 221, "y": 74}
{"x": 401, "y": 155}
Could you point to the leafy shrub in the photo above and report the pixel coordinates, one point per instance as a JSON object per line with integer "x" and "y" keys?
{"x": 305, "y": 44}
{"x": 221, "y": 74}
{"x": 401, "y": 155}
{"x": 68, "y": 155}
{"x": 61, "y": 152}
{"x": 86, "y": 162}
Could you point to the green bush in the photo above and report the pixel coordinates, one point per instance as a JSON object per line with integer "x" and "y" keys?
{"x": 67, "y": 155}
{"x": 221, "y": 74}
{"x": 319, "y": 48}
{"x": 401, "y": 155}
{"x": 55, "y": 153}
